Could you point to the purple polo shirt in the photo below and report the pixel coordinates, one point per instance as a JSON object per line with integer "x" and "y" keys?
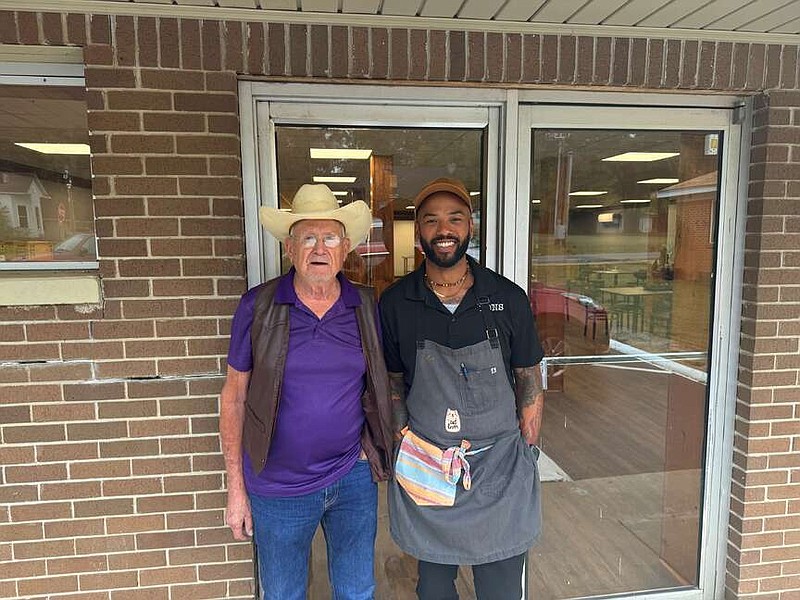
{"x": 317, "y": 436}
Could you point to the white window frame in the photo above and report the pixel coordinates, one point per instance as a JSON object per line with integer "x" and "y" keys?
{"x": 44, "y": 74}
{"x": 507, "y": 219}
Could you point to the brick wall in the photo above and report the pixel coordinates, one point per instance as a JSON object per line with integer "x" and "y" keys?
{"x": 111, "y": 475}
{"x": 764, "y": 530}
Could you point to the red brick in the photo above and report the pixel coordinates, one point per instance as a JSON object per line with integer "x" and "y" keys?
{"x": 35, "y": 473}
{"x": 172, "y": 539}
{"x": 141, "y": 144}
{"x": 69, "y": 491}
{"x": 208, "y": 102}
{"x": 276, "y": 37}
{"x": 134, "y": 309}
{"x": 186, "y": 327}
{"x": 28, "y": 28}
{"x": 183, "y": 287}
{"x": 8, "y": 27}
{"x": 60, "y": 412}
{"x": 129, "y": 448}
{"x": 208, "y": 144}
{"x": 156, "y": 389}
{"x": 169, "y": 41}
{"x": 127, "y": 408}
{"x": 457, "y": 64}
{"x": 166, "y": 503}
{"x": 74, "y": 528}
{"x": 170, "y": 367}
{"x": 100, "y": 469}
{"x": 223, "y": 124}
{"x": 340, "y": 49}
{"x": 47, "y": 585}
{"x": 147, "y": 227}
{"x": 191, "y": 49}
{"x": 53, "y": 28}
{"x": 162, "y": 465}
{"x": 117, "y": 165}
{"x": 233, "y": 58}
{"x": 105, "y": 77}
{"x": 33, "y": 433}
{"x": 97, "y": 507}
{"x": 124, "y": 41}
{"x": 16, "y": 532}
{"x": 147, "y": 186}
{"x": 418, "y": 65}
{"x": 103, "y": 581}
{"x": 212, "y": 50}
{"x": 97, "y": 431}
{"x": 189, "y": 406}
{"x": 48, "y": 549}
{"x": 137, "y": 560}
{"x": 147, "y": 42}
{"x": 67, "y": 451}
{"x": 174, "y": 122}
{"x": 139, "y": 100}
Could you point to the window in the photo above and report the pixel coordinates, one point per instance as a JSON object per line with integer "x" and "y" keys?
{"x": 46, "y": 210}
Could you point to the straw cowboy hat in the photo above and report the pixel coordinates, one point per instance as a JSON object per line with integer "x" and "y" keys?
{"x": 316, "y": 201}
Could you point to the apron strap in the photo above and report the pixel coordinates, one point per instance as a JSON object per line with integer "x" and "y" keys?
{"x": 488, "y": 321}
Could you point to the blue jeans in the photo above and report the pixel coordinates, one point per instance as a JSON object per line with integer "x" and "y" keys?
{"x": 284, "y": 528}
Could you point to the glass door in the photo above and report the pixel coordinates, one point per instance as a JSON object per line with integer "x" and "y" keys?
{"x": 622, "y": 244}
{"x": 382, "y": 155}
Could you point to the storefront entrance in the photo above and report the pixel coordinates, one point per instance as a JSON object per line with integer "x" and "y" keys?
{"x": 611, "y": 219}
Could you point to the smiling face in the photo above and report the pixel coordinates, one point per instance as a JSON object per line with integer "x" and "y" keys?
{"x": 444, "y": 228}
{"x": 319, "y": 264}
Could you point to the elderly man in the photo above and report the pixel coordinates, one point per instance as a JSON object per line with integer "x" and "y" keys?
{"x": 462, "y": 351}
{"x": 305, "y": 409}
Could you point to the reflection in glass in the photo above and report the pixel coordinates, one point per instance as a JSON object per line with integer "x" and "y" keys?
{"x": 46, "y": 210}
{"x": 391, "y": 167}
{"x": 622, "y": 235}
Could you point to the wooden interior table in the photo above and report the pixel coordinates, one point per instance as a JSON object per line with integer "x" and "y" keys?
{"x": 628, "y": 301}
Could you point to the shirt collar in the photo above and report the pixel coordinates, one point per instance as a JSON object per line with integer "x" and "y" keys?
{"x": 286, "y": 294}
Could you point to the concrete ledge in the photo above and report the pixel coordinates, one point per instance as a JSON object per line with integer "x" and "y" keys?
{"x": 51, "y": 288}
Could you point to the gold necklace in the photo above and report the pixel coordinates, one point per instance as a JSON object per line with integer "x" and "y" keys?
{"x": 445, "y": 284}
{"x": 456, "y": 284}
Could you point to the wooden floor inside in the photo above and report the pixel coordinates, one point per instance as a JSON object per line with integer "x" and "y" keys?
{"x": 610, "y": 529}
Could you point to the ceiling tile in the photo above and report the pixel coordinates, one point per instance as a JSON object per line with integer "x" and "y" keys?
{"x": 279, "y": 4}
{"x": 405, "y": 8}
{"x": 361, "y": 7}
{"x": 632, "y": 13}
{"x": 670, "y": 12}
{"x": 710, "y": 13}
{"x": 790, "y": 27}
{"x": 596, "y": 12}
{"x": 319, "y": 5}
{"x": 557, "y": 11}
{"x": 518, "y": 10}
{"x": 440, "y": 8}
{"x": 747, "y": 12}
{"x": 773, "y": 19}
{"x": 479, "y": 9}
{"x": 238, "y": 3}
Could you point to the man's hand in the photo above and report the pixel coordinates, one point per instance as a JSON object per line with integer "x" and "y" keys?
{"x": 238, "y": 516}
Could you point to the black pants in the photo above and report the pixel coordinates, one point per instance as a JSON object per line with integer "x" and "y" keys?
{"x": 501, "y": 580}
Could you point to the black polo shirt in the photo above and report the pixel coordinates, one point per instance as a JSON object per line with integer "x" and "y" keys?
{"x": 410, "y": 311}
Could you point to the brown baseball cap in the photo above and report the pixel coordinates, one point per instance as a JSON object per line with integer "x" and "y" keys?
{"x": 443, "y": 184}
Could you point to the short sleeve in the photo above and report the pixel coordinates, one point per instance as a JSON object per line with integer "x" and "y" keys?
{"x": 391, "y": 348}
{"x": 240, "y": 350}
{"x": 526, "y": 350}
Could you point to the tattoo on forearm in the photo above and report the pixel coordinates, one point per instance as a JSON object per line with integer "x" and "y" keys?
{"x": 399, "y": 410}
{"x": 528, "y": 384}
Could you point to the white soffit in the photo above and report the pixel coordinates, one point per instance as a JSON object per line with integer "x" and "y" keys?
{"x": 763, "y": 21}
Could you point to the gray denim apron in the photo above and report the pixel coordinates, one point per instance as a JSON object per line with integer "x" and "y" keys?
{"x": 500, "y": 516}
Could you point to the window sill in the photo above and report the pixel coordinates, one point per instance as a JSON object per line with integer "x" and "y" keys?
{"x": 49, "y": 288}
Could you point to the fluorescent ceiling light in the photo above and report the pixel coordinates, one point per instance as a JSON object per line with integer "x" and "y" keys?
{"x": 75, "y": 149}
{"x": 589, "y": 206}
{"x": 340, "y": 193}
{"x": 474, "y": 193}
{"x": 605, "y": 218}
{"x": 587, "y": 193}
{"x": 660, "y": 180}
{"x": 536, "y": 201}
{"x": 344, "y": 153}
{"x": 641, "y": 156}
{"x": 637, "y": 201}
{"x": 410, "y": 207}
{"x": 333, "y": 179}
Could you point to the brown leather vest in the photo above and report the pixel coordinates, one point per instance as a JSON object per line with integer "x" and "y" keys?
{"x": 270, "y": 341}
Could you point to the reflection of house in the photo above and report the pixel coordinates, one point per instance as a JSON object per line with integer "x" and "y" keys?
{"x": 20, "y": 202}
{"x": 690, "y": 225}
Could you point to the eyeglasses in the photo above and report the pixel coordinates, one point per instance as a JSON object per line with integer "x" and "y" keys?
{"x": 331, "y": 240}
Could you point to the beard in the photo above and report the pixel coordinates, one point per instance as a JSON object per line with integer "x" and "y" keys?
{"x": 430, "y": 253}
